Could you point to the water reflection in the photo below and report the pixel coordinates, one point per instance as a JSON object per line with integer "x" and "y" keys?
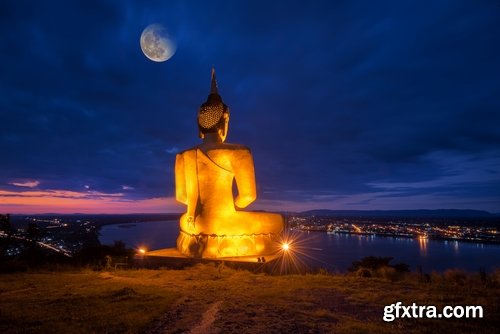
{"x": 454, "y": 245}
{"x": 422, "y": 243}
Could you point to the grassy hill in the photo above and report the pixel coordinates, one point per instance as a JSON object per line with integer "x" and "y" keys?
{"x": 216, "y": 299}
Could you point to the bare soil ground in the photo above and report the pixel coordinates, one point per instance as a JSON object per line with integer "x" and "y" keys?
{"x": 210, "y": 299}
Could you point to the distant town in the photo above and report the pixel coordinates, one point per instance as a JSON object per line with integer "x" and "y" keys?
{"x": 68, "y": 234}
{"x": 63, "y": 235}
{"x": 473, "y": 230}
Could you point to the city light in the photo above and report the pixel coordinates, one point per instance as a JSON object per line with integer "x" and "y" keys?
{"x": 142, "y": 250}
{"x": 285, "y": 246}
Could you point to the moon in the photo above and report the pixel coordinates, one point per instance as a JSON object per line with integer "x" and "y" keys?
{"x": 156, "y": 44}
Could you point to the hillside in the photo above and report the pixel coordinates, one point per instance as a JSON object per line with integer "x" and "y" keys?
{"x": 442, "y": 213}
{"x": 210, "y": 299}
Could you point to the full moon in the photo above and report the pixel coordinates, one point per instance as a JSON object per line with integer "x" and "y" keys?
{"x": 156, "y": 44}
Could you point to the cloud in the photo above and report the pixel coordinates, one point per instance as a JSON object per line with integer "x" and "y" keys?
{"x": 61, "y": 194}
{"x": 60, "y": 201}
{"x": 172, "y": 150}
{"x": 27, "y": 184}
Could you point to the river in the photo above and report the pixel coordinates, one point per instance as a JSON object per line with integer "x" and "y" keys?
{"x": 335, "y": 251}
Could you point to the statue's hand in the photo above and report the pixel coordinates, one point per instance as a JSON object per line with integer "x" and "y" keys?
{"x": 243, "y": 201}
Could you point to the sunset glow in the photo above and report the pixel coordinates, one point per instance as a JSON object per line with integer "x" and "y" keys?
{"x": 62, "y": 201}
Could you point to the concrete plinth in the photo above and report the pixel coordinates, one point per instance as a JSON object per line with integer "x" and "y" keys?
{"x": 172, "y": 258}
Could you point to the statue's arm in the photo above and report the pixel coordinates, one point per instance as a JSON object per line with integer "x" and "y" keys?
{"x": 244, "y": 175}
{"x": 180, "y": 179}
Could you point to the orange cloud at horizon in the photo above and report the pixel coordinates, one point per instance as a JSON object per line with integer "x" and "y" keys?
{"x": 62, "y": 201}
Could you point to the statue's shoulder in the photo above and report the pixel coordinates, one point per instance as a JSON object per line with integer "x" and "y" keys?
{"x": 236, "y": 147}
{"x": 188, "y": 151}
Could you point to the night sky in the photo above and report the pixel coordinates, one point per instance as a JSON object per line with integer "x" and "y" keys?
{"x": 345, "y": 104}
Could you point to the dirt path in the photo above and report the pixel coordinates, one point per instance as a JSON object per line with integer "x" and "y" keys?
{"x": 188, "y": 315}
{"x": 205, "y": 326}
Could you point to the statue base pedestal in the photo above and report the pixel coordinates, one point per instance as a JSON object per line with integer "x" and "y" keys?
{"x": 172, "y": 258}
{"x": 226, "y": 246}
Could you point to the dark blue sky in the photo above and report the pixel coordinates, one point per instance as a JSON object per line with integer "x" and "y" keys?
{"x": 345, "y": 104}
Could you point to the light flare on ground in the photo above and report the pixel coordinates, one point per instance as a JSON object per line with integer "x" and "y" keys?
{"x": 295, "y": 254}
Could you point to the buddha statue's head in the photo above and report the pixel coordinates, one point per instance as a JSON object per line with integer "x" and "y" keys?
{"x": 213, "y": 115}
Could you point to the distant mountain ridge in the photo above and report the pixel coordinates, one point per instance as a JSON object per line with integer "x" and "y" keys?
{"x": 442, "y": 213}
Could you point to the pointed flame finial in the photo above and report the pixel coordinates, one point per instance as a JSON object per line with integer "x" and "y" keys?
{"x": 213, "y": 87}
{"x": 211, "y": 112}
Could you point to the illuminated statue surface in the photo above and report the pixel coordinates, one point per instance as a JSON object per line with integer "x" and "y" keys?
{"x": 213, "y": 225}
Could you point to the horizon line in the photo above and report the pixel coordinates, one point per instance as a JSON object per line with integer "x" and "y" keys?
{"x": 304, "y": 211}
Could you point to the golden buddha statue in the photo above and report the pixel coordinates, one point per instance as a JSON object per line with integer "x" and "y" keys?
{"x": 214, "y": 225}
